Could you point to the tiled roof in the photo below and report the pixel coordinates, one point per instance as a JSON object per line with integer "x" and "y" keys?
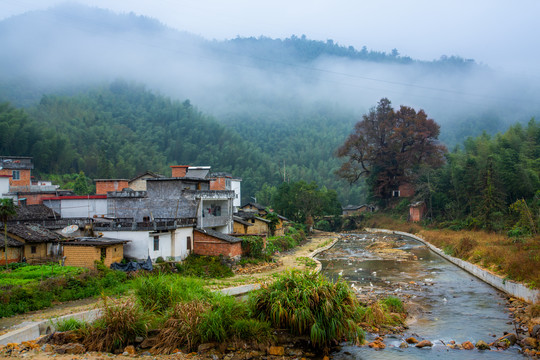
{"x": 34, "y": 212}
{"x": 93, "y": 241}
{"x": 221, "y": 236}
{"x": 33, "y": 233}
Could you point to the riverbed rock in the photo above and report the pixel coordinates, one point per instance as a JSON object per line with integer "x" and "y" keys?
{"x": 505, "y": 341}
{"x": 403, "y": 345}
{"x": 377, "y": 344}
{"x": 535, "y": 331}
{"x": 467, "y": 345}
{"x": 411, "y": 340}
{"x": 529, "y": 343}
{"x": 276, "y": 350}
{"x": 482, "y": 345}
{"x": 204, "y": 348}
{"x": 72, "y": 349}
{"x": 424, "y": 343}
{"x": 130, "y": 350}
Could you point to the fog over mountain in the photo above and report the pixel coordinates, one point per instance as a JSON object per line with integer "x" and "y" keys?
{"x": 70, "y": 46}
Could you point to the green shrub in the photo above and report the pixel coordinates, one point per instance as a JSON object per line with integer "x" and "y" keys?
{"x": 252, "y": 246}
{"x": 207, "y": 267}
{"x": 306, "y": 303}
{"x": 323, "y": 225}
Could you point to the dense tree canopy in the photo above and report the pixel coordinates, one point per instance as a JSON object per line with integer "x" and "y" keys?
{"x": 389, "y": 148}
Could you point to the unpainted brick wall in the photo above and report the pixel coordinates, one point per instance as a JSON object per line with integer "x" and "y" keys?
{"x": 102, "y": 187}
{"x": 204, "y": 244}
{"x": 83, "y": 256}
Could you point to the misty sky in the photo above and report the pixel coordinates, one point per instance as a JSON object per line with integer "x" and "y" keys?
{"x": 501, "y": 34}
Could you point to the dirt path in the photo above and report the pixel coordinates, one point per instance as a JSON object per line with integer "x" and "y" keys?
{"x": 286, "y": 260}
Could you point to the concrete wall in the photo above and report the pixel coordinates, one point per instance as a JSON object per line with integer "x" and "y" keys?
{"x": 83, "y": 208}
{"x": 180, "y": 243}
{"x": 513, "y": 288}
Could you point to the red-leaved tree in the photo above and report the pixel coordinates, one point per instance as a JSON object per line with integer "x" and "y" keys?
{"x": 389, "y": 147}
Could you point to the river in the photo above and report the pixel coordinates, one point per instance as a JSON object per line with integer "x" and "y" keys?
{"x": 454, "y": 304}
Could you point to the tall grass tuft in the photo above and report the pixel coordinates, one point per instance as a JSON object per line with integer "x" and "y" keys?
{"x": 118, "y": 326}
{"x": 70, "y": 325}
{"x": 181, "y": 330}
{"x": 217, "y": 322}
{"x": 159, "y": 293}
{"x": 307, "y": 303}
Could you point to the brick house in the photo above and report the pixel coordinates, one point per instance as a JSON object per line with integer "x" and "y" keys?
{"x": 86, "y": 251}
{"x": 403, "y": 190}
{"x": 260, "y": 226}
{"x": 19, "y": 168}
{"x": 213, "y": 243}
{"x": 103, "y": 186}
{"x": 417, "y": 211}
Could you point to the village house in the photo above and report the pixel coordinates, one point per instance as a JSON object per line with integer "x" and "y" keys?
{"x": 40, "y": 245}
{"x": 403, "y": 190}
{"x": 14, "y": 250}
{"x": 78, "y": 206}
{"x": 357, "y": 209}
{"x": 138, "y": 183}
{"x": 417, "y": 211}
{"x": 240, "y": 226}
{"x": 260, "y": 225}
{"x": 18, "y": 168}
{"x": 103, "y": 186}
{"x": 86, "y": 251}
{"x": 213, "y": 243}
{"x": 253, "y": 208}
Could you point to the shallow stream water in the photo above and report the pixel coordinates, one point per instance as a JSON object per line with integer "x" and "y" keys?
{"x": 455, "y": 305}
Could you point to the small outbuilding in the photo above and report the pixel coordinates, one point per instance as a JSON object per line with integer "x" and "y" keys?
{"x": 213, "y": 243}
{"x": 86, "y": 251}
{"x": 417, "y": 211}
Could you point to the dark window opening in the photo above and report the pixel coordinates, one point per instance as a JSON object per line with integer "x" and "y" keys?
{"x": 33, "y": 249}
{"x": 156, "y": 243}
{"x": 189, "y": 242}
{"x": 103, "y": 254}
{"x": 16, "y": 175}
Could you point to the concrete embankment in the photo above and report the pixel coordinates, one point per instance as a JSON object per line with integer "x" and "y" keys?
{"x": 512, "y": 288}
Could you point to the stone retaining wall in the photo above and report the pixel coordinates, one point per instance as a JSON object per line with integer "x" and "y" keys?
{"x": 510, "y": 287}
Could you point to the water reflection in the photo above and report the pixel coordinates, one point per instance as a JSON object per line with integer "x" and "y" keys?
{"x": 454, "y": 304}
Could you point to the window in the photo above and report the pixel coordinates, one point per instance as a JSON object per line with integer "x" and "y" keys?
{"x": 395, "y": 193}
{"x": 16, "y": 175}
{"x": 156, "y": 243}
{"x": 33, "y": 249}
{"x": 189, "y": 242}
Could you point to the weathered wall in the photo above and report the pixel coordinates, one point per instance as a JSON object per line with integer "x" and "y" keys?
{"x": 41, "y": 251}
{"x": 24, "y": 180}
{"x": 259, "y": 227}
{"x": 14, "y": 254}
{"x": 82, "y": 256}
{"x": 510, "y": 287}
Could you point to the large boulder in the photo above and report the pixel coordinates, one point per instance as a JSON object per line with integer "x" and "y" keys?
{"x": 424, "y": 343}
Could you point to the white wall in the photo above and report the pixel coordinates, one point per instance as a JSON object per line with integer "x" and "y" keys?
{"x": 4, "y": 186}
{"x": 180, "y": 250}
{"x": 142, "y": 243}
{"x": 237, "y": 202}
{"x": 82, "y": 208}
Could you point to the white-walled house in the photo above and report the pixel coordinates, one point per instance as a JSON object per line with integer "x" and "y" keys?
{"x": 78, "y": 206}
{"x": 170, "y": 243}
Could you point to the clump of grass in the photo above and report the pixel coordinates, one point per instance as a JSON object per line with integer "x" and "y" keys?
{"x": 306, "y": 261}
{"x": 394, "y": 304}
{"x": 70, "y": 325}
{"x": 252, "y": 329}
{"x": 306, "y": 303}
{"x": 180, "y": 331}
{"x": 159, "y": 293}
{"x": 118, "y": 326}
{"x": 207, "y": 267}
{"x": 216, "y": 323}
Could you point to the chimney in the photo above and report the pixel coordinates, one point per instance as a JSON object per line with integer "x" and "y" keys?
{"x": 179, "y": 170}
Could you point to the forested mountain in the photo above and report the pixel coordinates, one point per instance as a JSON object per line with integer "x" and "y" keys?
{"x": 266, "y": 109}
{"x": 123, "y": 130}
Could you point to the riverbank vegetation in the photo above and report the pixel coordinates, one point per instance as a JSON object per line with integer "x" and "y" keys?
{"x": 168, "y": 313}
{"x": 510, "y": 257}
